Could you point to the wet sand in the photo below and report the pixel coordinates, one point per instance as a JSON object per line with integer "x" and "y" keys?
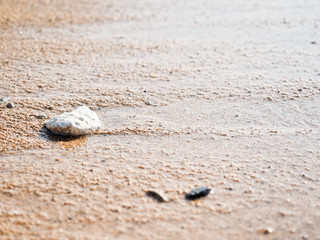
{"x": 190, "y": 94}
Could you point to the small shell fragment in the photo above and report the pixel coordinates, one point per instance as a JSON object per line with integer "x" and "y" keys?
{"x": 198, "y": 193}
{"x": 266, "y": 231}
{"x": 42, "y": 116}
{"x": 156, "y": 196}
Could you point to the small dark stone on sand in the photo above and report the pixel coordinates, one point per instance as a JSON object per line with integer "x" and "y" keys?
{"x": 156, "y": 196}
{"x": 198, "y": 193}
{"x": 10, "y": 105}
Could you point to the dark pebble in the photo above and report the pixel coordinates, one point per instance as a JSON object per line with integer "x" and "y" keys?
{"x": 10, "y": 105}
{"x": 156, "y": 196}
{"x": 198, "y": 193}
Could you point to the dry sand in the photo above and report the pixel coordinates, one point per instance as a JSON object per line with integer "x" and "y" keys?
{"x": 224, "y": 94}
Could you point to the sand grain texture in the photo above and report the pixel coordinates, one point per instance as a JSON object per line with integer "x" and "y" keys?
{"x": 190, "y": 93}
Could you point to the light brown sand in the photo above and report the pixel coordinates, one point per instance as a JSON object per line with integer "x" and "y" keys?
{"x": 223, "y": 94}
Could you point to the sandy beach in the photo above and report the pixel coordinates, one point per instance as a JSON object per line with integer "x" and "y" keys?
{"x": 190, "y": 93}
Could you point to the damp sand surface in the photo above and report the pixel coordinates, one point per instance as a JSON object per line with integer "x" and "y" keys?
{"x": 190, "y": 93}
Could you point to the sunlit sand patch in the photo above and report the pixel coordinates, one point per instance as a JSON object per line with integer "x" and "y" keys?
{"x": 74, "y": 143}
{"x": 51, "y": 13}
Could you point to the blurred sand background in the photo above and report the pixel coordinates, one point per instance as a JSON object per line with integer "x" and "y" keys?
{"x": 223, "y": 94}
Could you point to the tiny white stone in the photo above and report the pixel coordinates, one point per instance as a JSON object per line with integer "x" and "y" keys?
{"x": 78, "y": 122}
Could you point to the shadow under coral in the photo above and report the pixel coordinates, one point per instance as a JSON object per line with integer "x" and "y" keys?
{"x": 65, "y": 141}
